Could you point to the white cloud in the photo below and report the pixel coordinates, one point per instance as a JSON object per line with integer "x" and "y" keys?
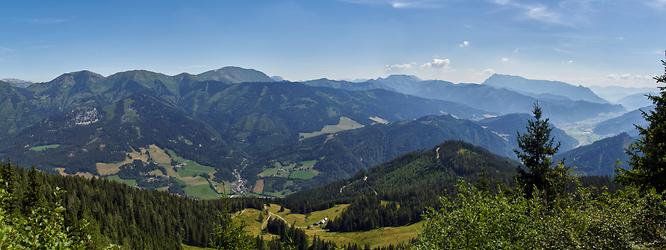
{"x": 393, "y": 68}
{"x": 437, "y": 63}
{"x": 505, "y": 59}
{"x": 570, "y": 62}
{"x": 464, "y": 44}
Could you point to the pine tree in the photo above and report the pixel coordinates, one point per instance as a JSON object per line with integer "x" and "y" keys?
{"x": 230, "y": 234}
{"x": 33, "y": 197}
{"x": 648, "y": 153}
{"x": 536, "y": 151}
{"x": 8, "y": 182}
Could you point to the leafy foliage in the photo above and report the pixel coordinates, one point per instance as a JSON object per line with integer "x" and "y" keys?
{"x": 38, "y": 224}
{"x": 478, "y": 219}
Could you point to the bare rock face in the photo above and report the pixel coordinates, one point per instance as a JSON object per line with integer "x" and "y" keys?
{"x": 85, "y": 116}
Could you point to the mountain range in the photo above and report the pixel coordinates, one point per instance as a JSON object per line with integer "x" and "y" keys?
{"x": 235, "y": 130}
{"x": 504, "y": 100}
{"x": 543, "y": 88}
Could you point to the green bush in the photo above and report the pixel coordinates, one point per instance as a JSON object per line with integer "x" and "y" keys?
{"x": 477, "y": 219}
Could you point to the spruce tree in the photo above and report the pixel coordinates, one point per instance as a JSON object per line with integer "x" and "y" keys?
{"x": 536, "y": 149}
{"x": 648, "y": 153}
{"x": 33, "y": 197}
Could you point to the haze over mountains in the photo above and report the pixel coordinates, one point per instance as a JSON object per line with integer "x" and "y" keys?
{"x": 487, "y": 97}
{"x": 236, "y": 130}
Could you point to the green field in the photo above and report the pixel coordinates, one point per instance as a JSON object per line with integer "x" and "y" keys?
{"x": 202, "y": 191}
{"x": 44, "y": 147}
{"x": 374, "y": 238}
{"x": 129, "y": 182}
{"x": 302, "y": 170}
{"x": 191, "y": 167}
{"x": 303, "y": 175}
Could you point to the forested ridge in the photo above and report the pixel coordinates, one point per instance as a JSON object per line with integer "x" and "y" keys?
{"x": 123, "y": 215}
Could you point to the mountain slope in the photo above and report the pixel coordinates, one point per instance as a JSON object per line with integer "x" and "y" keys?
{"x": 87, "y": 135}
{"x": 635, "y": 101}
{"x": 623, "y": 124}
{"x": 507, "y": 127}
{"x": 343, "y": 154}
{"x": 600, "y": 157}
{"x": 615, "y": 93}
{"x": 415, "y": 179}
{"x": 539, "y": 87}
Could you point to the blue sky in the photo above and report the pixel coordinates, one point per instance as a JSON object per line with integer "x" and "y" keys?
{"x": 589, "y": 42}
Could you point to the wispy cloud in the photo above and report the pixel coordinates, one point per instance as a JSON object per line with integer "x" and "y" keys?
{"x": 660, "y": 4}
{"x": 537, "y": 12}
{"x": 39, "y": 20}
{"x": 399, "y": 68}
{"x": 505, "y": 59}
{"x": 628, "y": 76}
{"x": 5, "y": 50}
{"x": 401, "y": 4}
{"x": 464, "y": 44}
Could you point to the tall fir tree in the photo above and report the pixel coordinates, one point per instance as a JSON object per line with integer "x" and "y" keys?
{"x": 8, "y": 182}
{"x": 33, "y": 197}
{"x": 648, "y": 153}
{"x": 536, "y": 149}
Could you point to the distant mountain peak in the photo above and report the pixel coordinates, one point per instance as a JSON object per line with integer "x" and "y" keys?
{"x": 399, "y": 77}
{"x": 77, "y": 76}
{"x": 17, "y": 82}
{"x": 535, "y": 88}
{"x": 233, "y": 74}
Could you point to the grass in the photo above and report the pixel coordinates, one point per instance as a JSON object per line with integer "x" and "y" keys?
{"x": 375, "y": 238}
{"x": 108, "y": 168}
{"x": 303, "y": 175}
{"x": 129, "y": 182}
{"x": 202, "y": 191}
{"x": 330, "y": 213}
{"x": 190, "y": 168}
{"x": 258, "y": 186}
{"x": 344, "y": 123}
{"x": 44, "y": 147}
{"x": 193, "y": 176}
{"x": 302, "y": 170}
{"x": 187, "y": 247}
{"x": 158, "y": 155}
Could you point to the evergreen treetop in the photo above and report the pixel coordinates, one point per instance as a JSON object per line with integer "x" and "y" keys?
{"x": 648, "y": 153}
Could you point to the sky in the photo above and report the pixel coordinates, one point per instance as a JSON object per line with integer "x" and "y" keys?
{"x": 588, "y": 42}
